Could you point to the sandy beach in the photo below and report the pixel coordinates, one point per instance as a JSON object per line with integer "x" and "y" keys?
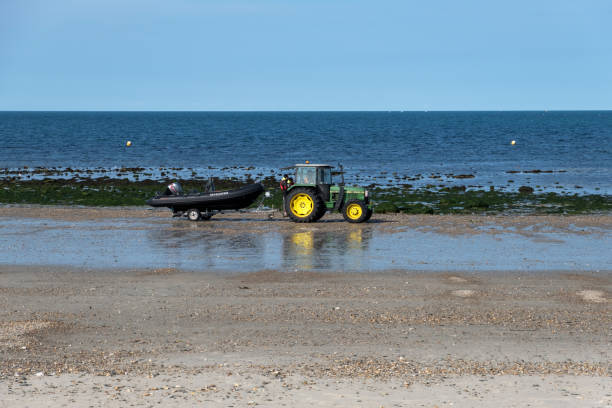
{"x": 148, "y": 336}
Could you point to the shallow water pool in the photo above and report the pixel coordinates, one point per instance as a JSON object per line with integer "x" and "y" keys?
{"x": 155, "y": 243}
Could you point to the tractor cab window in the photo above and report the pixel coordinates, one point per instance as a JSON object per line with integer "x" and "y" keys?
{"x": 325, "y": 176}
{"x": 306, "y": 175}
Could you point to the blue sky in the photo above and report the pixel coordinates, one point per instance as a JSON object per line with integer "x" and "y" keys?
{"x": 305, "y": 55}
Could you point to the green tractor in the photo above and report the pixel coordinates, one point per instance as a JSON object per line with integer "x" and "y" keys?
{"x": 313, "y": 194}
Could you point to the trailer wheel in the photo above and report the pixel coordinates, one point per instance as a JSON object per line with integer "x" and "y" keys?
{"x": 193, "y": 214}
{"x": 355, "y": 211}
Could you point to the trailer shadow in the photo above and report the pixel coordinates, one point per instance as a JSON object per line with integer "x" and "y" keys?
{"x": 327, "y": 219}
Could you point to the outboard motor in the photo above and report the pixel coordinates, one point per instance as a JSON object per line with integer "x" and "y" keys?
{"x": 174, "y": 189}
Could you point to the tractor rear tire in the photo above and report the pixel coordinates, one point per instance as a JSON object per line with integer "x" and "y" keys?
{"x": 355, "y": 211}
{"x": 368, "y": 214}
{"x": 303, "y": 205}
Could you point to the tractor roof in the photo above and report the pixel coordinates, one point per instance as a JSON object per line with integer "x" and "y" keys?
{"x": 307, "y": 165}
{"x": 312, "y": 165}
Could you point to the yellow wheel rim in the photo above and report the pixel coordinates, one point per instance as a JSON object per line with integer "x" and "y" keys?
{"x": 302, "y": 205}
{"x": 354, "y": 211}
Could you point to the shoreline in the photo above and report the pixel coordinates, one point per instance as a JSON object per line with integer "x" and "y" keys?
{"x": 508, "y": 179}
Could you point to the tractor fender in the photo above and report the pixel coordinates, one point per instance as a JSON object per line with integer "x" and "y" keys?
{"x": 340, "y": 200}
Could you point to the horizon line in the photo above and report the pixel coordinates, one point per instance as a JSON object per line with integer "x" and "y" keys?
{"x": 305, "y": 110}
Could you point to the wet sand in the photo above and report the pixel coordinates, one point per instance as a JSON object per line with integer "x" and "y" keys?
{"x": 254, "y": 221}
{"x": 145, "y": 337}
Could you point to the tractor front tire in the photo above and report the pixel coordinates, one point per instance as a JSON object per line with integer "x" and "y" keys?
{"x": 303, "y": 205}
{"x": 355, "y": 211}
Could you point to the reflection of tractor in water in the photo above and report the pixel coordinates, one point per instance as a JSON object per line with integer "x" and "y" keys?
{"x": 313, "y": 194}
{"x": 316, "y": 249}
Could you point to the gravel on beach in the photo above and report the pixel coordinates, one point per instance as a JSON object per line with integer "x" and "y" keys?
{"x": 299, "y": 329}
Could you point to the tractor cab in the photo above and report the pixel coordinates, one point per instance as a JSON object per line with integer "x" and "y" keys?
{"x": 309, "y": 174}
{"x": 318, "y": 176}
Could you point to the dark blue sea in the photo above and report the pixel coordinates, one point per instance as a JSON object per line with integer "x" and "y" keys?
{"x": 569, "y": 151}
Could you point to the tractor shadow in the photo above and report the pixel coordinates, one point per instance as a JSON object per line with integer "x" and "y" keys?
{"x": 342, "y": 221}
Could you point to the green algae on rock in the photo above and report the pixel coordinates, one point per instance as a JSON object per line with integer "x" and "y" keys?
{"x": 106, "y": 191}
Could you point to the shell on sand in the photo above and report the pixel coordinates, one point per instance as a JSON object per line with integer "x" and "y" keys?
{"x": 456, "y": 279}
{"x": 464, "y": 293}
{"x": 595, "y": 296}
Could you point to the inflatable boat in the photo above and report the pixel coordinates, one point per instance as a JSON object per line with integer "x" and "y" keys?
{"x": 202, "y": 205}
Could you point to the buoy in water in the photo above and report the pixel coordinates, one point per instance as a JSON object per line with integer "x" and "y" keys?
{"x": 129, "y": 143}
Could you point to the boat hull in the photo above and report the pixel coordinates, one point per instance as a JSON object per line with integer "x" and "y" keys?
{"x": 213, "y": 201}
